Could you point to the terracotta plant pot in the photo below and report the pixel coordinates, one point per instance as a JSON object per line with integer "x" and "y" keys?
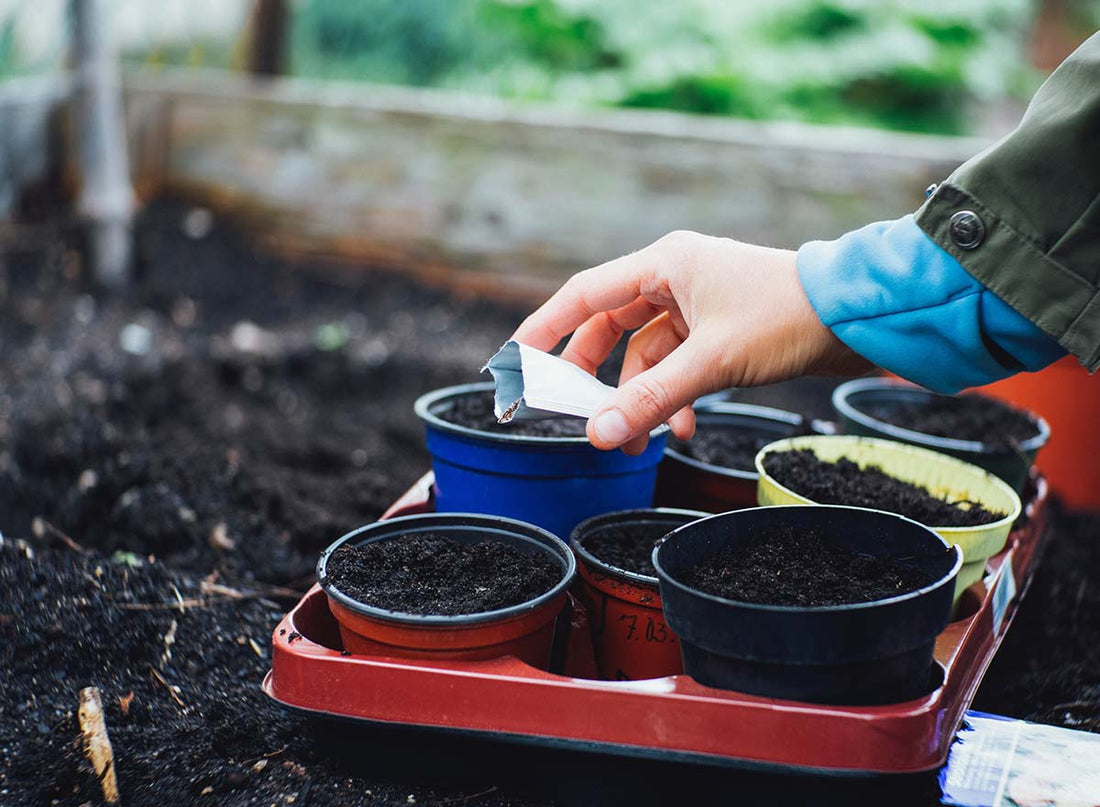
{"x": 629, "y": 633}
{"x": 552, "y": 482}
{"x": 858, "y": 402}
{"x": 684, "y": 481}
{"x": 1069, "y": 398}
{"x": 942, "y": 475}
{"x": 525, "y": 630}
{"x": 861, "y": 653}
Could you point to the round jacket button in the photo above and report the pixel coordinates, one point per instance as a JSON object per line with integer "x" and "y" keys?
{"x": 967, "y": 229}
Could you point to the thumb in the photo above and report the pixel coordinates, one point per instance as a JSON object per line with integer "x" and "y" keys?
{"x": 650, "y": 398}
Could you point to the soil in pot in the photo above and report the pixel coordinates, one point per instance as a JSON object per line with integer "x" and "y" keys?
{"x": 724, "y": 446}
{"x": 800, "y": 567}
{"x": 629, "y": 546}
{"x": 844, "y": 482}
{"x": 432, "y": 574}
{"x": 475, "y": 411}
{"x": 966, "y": 417}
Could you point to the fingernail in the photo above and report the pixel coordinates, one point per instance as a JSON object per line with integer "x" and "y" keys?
{"x": 611, "y": 427}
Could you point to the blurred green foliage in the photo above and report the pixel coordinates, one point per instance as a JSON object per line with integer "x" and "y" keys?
{"x": 905, "y": 64}
{"x": 7, "y": 47}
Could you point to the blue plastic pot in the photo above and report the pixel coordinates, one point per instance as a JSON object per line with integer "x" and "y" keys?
{"x": 552, "y": 482}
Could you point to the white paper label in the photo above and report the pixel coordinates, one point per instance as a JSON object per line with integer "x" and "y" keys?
{"x": 531, "y": 384}
{"x": 1004, "y": 591}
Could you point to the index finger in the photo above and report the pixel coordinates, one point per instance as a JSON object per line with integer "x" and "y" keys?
{"x": 605, "y": 287}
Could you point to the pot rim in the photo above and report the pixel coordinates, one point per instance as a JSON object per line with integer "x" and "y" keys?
{"x": 946, "y": 579}
{"x": 932, "y": 456}
{"x": 425, "y": 402}
{"x": 550, "y": 542}
{"x": 767, "y": 413}
{"x": 844, "y": 407}
{"x": 576, "y": 538}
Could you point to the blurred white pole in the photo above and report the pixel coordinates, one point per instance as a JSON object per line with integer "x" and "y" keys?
{"x": 106, "y": 201}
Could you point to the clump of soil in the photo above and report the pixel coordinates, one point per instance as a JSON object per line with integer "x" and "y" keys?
{"x": 965, "y": 417}
{"x": 796, "y": 567}
{"x": 475, "y": 411}
{"x": 725, "y": 446}
{"x": 430, "y": 574}
{"x": 844, "y": 482}
{"x": 1048, "y": 669}
{"x": 628, "y": 546}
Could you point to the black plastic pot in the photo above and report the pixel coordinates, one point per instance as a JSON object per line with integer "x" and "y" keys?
{"x": 683, "y": 481}
{"x": 524, "y": 630}
{"x": 864, "y": 653}
{"x": 855, "y": 401}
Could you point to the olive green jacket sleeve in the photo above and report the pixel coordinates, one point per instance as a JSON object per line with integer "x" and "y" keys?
{"x": 1023, "y": 216}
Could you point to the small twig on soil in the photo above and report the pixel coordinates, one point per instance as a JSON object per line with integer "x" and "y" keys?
{"x": 169, "y": 640}
{"x": 182, "y": 605}
{"x": 40, "y": 527}
{"x": 171, "y": 689}
{"x": 209, "y": 587}
{"x": 179, "y": 597}
{"x": 249, "y": 763}
{"x": 257, "y": 590}
{"x": 460, "y": 799}
{"x": 97, "y": 745}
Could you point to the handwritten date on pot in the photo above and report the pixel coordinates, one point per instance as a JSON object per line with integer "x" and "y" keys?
{"x": 645, "y": 628}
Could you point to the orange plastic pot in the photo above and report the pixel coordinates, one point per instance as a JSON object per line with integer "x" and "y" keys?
{"x": 629, "y": 634}
{"x": 525, "y": 630}
{"x": 684, "y": 481}
{"x": 1069, "y": 399}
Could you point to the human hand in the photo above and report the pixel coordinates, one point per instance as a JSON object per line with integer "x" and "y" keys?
{"x": 711, "y": 312}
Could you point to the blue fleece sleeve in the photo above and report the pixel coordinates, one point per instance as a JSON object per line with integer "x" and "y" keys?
{"x": 896, "y": 298}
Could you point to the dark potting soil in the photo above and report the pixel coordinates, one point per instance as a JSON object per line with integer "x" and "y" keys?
{"x": 844, "y": 482}
{"x": 476, "y": 412}
{"x": 802, "y": 568}
{"x": 964, "y": 417}
{"x": 629, "y": 546}
{"x": 436, "y": 575}
{"x": 725, "y": 446}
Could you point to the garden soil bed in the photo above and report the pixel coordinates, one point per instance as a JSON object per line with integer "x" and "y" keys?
{"x": 172, "y": 464}
{"x": 436, "y": 575}
{"x": 844, "y": 482}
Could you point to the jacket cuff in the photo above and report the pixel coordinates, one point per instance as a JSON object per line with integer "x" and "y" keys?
{"x": 1053, "y": 296}
{"x": 900, "y": 301}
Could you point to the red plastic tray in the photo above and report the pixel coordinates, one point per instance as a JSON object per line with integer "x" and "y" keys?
{"x": 674, "y": 717}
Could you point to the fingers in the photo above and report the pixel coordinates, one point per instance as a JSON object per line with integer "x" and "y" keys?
{"x": 648, "y": 346}
{"x": 607, "y": 287}
{"x": 593, "y": 341}
{"x": 652, "y": 397}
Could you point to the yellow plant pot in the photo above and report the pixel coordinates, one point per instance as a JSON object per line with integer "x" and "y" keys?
{"x": 943, "y": 476}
